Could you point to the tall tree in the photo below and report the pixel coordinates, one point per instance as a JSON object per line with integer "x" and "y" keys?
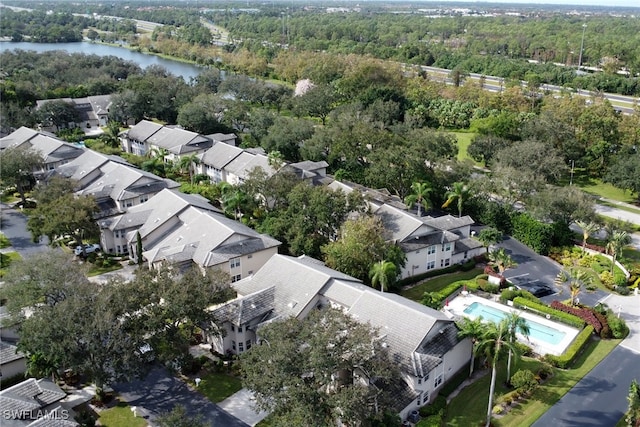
{"x": 515, "y": 324}
{"x": 616, "y": 242}
{"x": 382, "y": 273}
{"x": 489, "y": 236}
{"x": 189, "y": 163}
{"x": 472, "y": 329}
{"x": 58, "y": 113}
{"x": 460, "y": 192}
{"x": 67, "y": 215}
{"x": 419, "y": 195}
{"x": 624, "y": 173}
{"x": 360, "y": 245}
{"x": 588, "y": 228}
{"x": 311, "y": 365}
{"x": 18, "y": 165}
{"x": 493, "y": 343}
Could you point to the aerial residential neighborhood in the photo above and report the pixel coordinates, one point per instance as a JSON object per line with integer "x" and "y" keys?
{"x": 438, "y": 226}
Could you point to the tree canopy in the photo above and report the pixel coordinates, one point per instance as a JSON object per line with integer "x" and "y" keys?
{"x": 318, "y": 370}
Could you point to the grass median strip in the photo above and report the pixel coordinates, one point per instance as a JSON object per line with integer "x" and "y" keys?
{"x": 470, "y": 406}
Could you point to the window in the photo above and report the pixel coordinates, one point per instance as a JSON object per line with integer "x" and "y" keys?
{"x": 446, "y": 247}
{"x": 233, "y": 345}
{"x": 236, "y": 278}
{"x": 118, "y": 249}
{"x": 239, "y": 328}
{"x": 419, "y": 400}
{"x": 144, "y": 198}
{"x": 437, "y": 381}
{"x": 234, "y": 263}
{"x": 447, "y": 262}
{"x": 248, "y": 344}
{"x": 249, "y": 256}
{"x": 419, "y": 382}
{"x": 431, "y": 265}
{"x": 128, "y": 203}
{"x": 431, "y": 250}
{"x": 240, "y": 347}
{"x": 466, "y": 254}
{"x": 250, "y": 272}
{"x": 233, "y": 328}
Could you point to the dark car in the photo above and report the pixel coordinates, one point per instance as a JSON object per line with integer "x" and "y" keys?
{"x": 537, "y": 289}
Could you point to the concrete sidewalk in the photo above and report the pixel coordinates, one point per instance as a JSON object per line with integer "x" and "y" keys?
{"x": 240, "y": 405}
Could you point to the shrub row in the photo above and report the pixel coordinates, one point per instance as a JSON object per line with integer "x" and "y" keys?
{"x": 567, "y": 318}
{"x": 583, "y": 313}
{"x": 511, "y": 294}
{"x": 533, "y": 233}
{"x": 567, "y": 358}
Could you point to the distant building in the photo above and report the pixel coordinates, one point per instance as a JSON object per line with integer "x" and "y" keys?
{"x": 93, "y": 111}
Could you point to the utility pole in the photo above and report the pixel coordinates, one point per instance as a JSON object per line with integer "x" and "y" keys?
{"x": 584, "y": 28}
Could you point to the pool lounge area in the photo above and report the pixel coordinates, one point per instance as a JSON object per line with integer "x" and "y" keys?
{"x": 546, "y": 336}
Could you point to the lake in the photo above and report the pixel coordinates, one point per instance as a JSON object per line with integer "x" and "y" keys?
{"x": 187, "y": 71}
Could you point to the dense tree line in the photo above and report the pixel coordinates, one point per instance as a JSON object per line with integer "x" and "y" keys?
{"x": 42, "y": 27}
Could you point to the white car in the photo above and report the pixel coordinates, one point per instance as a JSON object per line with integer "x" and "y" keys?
{"x": 88, "y": 248}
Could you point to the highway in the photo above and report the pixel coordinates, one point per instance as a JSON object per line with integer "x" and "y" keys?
{"x": 622, "y": 103}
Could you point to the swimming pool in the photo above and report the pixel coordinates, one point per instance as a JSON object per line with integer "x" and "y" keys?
{"x": 536, "y": 330}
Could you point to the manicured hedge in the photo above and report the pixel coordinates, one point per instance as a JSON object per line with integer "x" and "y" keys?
{"x": 583, "y": 313}
{"x": 533, "y": 233}
{"x": 566, "y": 359}
{"x": 567, "y": 318}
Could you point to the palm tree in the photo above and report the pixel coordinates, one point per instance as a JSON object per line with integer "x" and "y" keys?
{"x": 501, "y": 259}
{"x": 420, "y": 196}
{"x": 233, "y": 200}
{"x": 616, "y": 242}
{"x": 577, "y": 277}
{"x": 515, "y": 323}
{"x": 492, "y": 343}
{"x": 382, "y": 273}
{"x": 189, "y": 163}
{"x": 471, "y": 329}
{"x": 460, "y": 192}
{"x": 156, "y": 163}
{"x": 588, "y": 228}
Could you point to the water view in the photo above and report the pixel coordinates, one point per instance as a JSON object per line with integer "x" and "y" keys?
{"x": 187, "y": 71}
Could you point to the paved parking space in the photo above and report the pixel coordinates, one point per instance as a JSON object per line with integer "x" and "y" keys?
{"x": 160, "y": 392}
{"x": 240, "y": 405}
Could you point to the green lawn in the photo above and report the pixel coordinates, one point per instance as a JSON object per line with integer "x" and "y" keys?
{"x": 94, "y": 270}
{"x": 598, "y": 188}
{"x": 464, "y": 140}
{"x": 218, "y": 386}
{"x": 120, "y": 416}
{"x": 470, "y": 406}
{"x": 438, "y": 283}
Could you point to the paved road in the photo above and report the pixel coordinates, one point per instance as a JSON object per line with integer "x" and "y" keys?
{"x": 600, "y": 398}
{"x": 533, "y": 268}
{"x": 13, "y": 224}
{"x": 159, "y": 392}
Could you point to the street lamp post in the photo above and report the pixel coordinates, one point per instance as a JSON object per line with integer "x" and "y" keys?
{"x": 571, "y": 178}
{"x": 584, "y": 28}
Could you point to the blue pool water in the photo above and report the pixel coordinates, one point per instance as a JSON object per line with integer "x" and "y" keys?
{"x": 536, "y": 330}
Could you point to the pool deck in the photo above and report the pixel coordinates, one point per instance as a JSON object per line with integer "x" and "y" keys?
{"x": 456, "y": 307}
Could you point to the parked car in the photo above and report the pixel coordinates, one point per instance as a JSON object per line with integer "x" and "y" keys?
{"x": 88, "y": 249}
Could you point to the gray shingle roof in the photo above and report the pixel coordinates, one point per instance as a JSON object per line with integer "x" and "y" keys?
{"x": 466, "y": 244}
{"x": 243, "y": 310}
{"x": 55, "y": 418}
{"x": 297, "y": 282}
{"x": 143, "y": 130}
{"x": 448, "y": 222}
{"x": 404, "y": 325}
{"x": 213, "y": 236}
{"x": 19, "y": 136}
{"x": 9, "y": 353}
{"x": 30, "y": 395}
{"x": 220, "y": 154}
